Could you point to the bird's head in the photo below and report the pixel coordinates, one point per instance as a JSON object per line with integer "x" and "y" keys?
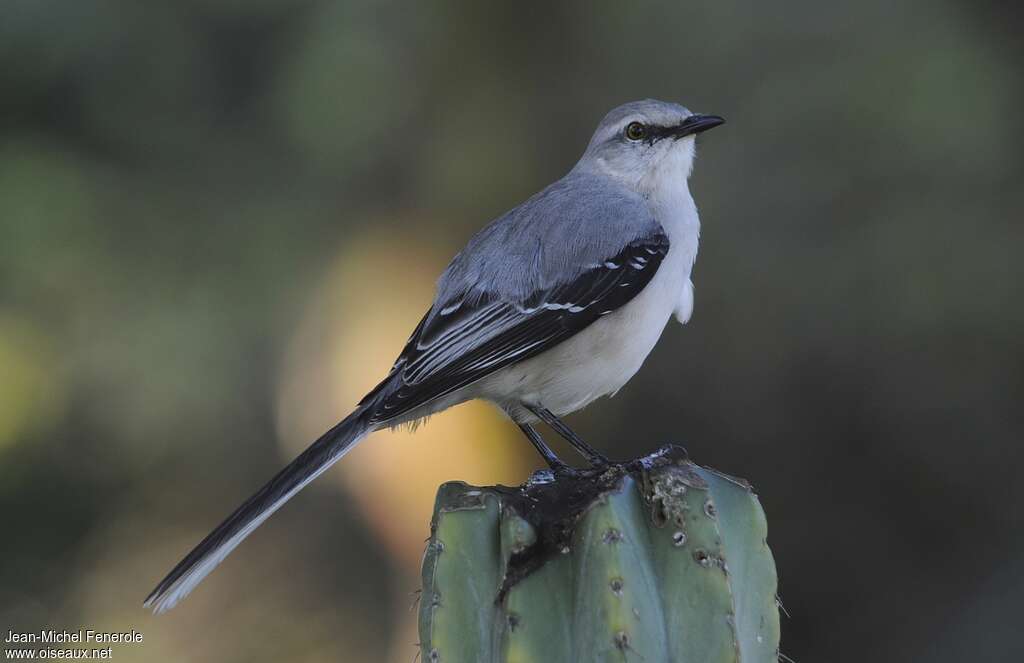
{"x": 644, "y": 143}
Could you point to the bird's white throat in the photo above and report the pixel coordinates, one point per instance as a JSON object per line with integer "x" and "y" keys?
{"x": 667, "y": 191}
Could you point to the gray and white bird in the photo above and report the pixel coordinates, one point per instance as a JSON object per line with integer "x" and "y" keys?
{"x": 554, "y": 304}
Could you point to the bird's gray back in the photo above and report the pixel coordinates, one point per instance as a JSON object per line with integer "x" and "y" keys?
{"x": 573, "y": 225}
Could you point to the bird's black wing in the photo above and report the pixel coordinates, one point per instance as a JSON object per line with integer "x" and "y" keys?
{"x": 465, "y": 340}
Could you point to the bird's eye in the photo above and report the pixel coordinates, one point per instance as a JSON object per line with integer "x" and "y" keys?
{"x": 635, "y": 131}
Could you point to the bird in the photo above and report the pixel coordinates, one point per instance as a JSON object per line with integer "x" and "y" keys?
{"x": 552, "y": 305}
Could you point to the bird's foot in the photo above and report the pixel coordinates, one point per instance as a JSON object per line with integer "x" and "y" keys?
{"x": 563, "y": 471}
{"x": 600, "y": 463}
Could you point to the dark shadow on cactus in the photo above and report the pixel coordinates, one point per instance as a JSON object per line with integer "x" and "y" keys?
{"x": 554, "y": 508}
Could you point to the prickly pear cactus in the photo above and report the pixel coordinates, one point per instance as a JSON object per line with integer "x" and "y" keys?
{"x": 658, "y": 561}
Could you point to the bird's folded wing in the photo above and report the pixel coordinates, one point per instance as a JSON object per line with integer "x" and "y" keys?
{"x": 464, "y": 340}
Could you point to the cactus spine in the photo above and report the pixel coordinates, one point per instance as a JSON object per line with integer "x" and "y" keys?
{"x": 665, "y": 561}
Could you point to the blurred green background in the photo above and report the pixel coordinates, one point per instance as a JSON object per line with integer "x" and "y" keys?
{"x": 199, "y": 204}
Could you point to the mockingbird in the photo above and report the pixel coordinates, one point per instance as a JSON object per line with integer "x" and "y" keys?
{"x": 552, "y": 305}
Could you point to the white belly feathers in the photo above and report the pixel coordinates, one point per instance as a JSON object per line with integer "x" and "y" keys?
{"x": 600, "y": 359}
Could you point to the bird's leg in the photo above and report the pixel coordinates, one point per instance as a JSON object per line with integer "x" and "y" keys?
{"x": 593, "y": 456}
{"x": 554, "y": 462}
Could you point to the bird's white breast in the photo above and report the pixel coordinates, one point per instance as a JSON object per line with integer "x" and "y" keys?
{"x": 603, "y": 357}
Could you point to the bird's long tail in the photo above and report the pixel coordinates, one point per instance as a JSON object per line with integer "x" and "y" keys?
{"x": 212, "y": 550}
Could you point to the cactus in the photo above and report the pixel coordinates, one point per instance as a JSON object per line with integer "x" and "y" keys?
{"x": 659, "y": 560}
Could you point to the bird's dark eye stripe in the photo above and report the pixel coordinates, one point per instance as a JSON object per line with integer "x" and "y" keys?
{"x": 647, "y": 133}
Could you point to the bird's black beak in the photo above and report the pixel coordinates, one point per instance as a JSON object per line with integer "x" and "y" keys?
{"x": 695, "y": 124}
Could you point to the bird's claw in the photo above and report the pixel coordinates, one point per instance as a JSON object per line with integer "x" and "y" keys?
{"x": 565, "y": 471}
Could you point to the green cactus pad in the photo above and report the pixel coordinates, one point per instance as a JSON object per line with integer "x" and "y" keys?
{"x": 660, "y": 560}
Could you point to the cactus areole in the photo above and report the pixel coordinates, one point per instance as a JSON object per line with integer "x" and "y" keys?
{"x": 655, "y": 560}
